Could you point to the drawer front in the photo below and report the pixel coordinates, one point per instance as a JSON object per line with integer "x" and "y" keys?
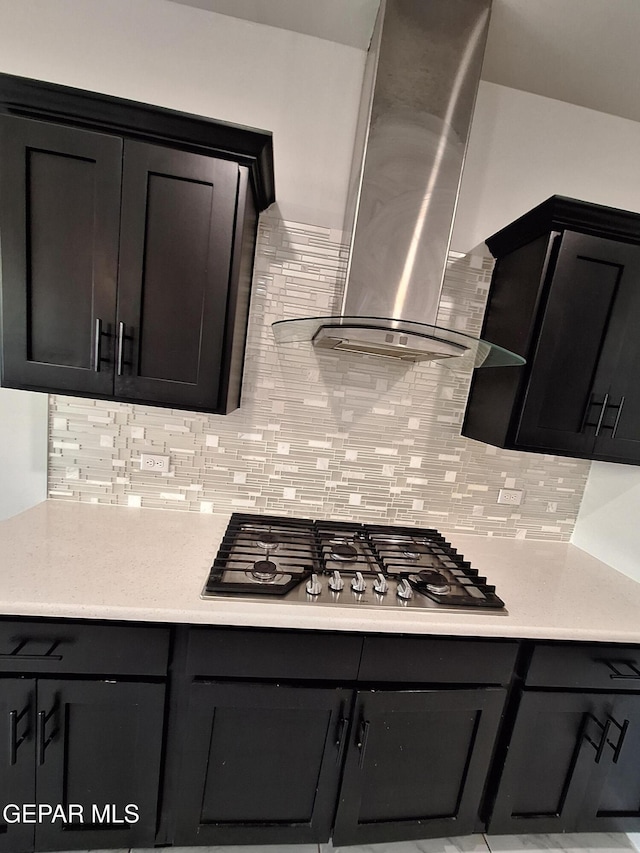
{"x": 273, "y": 654}
{"x": 589, "y": 666}
{"x": 72, "y": 647}
{"x": 418, "y": 659}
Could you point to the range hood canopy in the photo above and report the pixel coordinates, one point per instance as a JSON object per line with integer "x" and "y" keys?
{"x": 420, "y": 84}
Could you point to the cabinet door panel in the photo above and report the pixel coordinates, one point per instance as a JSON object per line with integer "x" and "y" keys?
{"x": 59, "y": 224}
{"x": 417, "y": 764}
{"x": 572, "y": 344}
{"x": 549, "y": 763}
{"x": 17, "y": 758}
{"x": 260, "y": 764}
{"x": 178, "y": 214}
{"x": 613, "y": 798}
{"x": 99, "y": 743}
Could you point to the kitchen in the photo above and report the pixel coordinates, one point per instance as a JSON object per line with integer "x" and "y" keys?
{"x": 290, "y": 462}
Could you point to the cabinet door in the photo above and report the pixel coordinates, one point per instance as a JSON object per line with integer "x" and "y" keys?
{"x": 592, "y": 308}
{"x": 261, "y": 764}
{"x": 553, "y": 754}
{"x": 99, "y": 744}
{"x": 178, "y": 212}
{"x": 59, "y": 227}
{"x": 417, "y": 764}
{"x": 17, "y": 759}
{"x": 612, "y": 803}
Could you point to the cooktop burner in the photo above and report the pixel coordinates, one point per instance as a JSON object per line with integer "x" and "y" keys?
{"x": 334, "y": 562}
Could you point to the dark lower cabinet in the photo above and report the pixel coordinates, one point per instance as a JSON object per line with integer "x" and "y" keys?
{"x": 260, "y": 764}
{"x": 572, "y": 765}
{"x": 94, "y": 744}
{"x": 416, "y": 764}
{"x": 99, "y": 744}
{"x": 17, "y": 759}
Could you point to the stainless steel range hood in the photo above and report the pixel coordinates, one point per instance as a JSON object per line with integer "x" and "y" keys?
{"x": 420, "y": 84}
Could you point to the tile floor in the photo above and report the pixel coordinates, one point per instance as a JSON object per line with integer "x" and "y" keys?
{"x": 565, "y": 843}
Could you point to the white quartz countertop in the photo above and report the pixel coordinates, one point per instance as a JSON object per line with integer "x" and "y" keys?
{"x": 74, "y": 560}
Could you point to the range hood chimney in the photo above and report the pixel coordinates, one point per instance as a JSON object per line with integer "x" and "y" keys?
{"x": 420, "y": 84}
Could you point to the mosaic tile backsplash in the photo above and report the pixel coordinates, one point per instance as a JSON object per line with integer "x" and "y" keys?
{"x": 319, "y": 434}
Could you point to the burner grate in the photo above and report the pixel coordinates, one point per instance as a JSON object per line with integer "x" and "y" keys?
{"x": 275, "y": 555}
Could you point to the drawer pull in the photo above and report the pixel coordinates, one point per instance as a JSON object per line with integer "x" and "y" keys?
{"x": 616, "y": 674}
{"x": 17, "y": 654}
{"x": 362, "y": 741}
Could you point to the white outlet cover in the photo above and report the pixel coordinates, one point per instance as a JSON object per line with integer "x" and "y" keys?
{"x": 512, "y": 497}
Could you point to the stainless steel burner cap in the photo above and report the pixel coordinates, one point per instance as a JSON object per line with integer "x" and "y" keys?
{"x": 344, "y": 551}
{"x": 264, "y": 570}
{"x": 435, "y": 582}
{"x": 268, "y": 541}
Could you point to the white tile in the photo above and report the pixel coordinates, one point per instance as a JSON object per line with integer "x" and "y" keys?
{"x": 574, "y": 842}
{"x": 464, "y": 844}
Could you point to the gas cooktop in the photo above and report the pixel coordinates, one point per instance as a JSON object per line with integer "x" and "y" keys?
{"x": 344, "y": 563}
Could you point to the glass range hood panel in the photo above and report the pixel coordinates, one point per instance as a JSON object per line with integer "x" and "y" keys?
{"x": 401, "y": 339}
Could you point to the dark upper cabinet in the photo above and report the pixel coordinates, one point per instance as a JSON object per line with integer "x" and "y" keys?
{"x": 59, "y": 232}
{"x": 177, "y": 230}
{"x": 564, "y": 295}
{"x": 127, "y": 238}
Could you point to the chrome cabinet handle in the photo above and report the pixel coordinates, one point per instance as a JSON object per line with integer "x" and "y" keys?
{"x": 121, "y": 329}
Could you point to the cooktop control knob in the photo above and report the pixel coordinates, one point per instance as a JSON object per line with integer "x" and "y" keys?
{"x": 358, "y": 584}
{"x": 381, "y": 586}
{"x": 404, "y": 590}
{"x": 335, "y": 582}
{"x": 313, "y": 585}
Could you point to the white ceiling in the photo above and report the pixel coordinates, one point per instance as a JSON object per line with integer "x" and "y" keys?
{"x": 584, "y": 52}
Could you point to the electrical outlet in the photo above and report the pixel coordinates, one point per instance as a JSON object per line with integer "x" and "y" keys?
{"x": 513, "y": 497}
{"x": 154, "y": 462}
